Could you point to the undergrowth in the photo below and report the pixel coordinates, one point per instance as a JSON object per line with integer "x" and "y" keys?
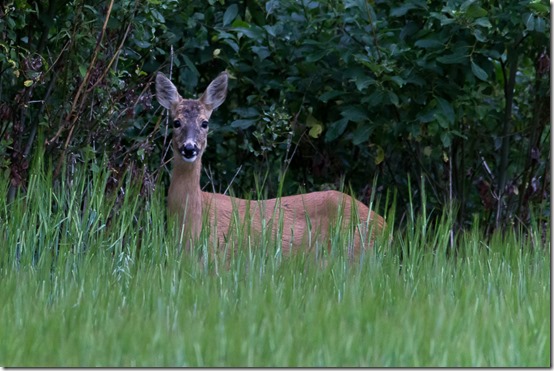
{"x": 93, "y": 278}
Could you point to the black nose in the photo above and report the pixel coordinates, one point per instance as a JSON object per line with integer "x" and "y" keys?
{"x": 189, "y": 150}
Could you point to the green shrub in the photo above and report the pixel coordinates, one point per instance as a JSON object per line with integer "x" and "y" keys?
{"x": 456, "y": 92}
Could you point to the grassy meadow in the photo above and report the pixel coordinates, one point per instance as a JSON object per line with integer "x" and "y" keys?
{"x": 75, "y": 292}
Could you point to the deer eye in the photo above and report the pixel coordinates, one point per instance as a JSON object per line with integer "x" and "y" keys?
{"x": 176, "y": 123}
{"x": 204, "y": 124}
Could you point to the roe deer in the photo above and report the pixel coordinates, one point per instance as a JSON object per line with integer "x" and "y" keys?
{"x": 299, "y": 221}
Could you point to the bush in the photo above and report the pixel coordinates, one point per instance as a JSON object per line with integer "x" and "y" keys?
{"x": 455, "y": 93}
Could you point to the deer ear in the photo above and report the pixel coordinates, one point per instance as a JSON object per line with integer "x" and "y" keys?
{"x": 216, "y": 92}
{"x": 166, "y": 92}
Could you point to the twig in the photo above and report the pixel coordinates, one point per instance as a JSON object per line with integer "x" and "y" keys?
{"x": 114, "y": 58}
{"x": 209, "y": 174}
{"x": 167, "y": 111}
{"x": 487, "y": 169}
{"x": 232, "y": 180}
{"x": 289, "y": 159}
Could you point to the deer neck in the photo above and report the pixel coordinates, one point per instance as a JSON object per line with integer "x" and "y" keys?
{"x": 185, "y": 196}
{"x": 187, "y": 175}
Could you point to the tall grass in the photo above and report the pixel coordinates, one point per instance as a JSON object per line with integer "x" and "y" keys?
{"x": 76, "y": 290}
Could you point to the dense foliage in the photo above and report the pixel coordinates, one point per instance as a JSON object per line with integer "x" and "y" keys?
{"x": 450, "y": 94}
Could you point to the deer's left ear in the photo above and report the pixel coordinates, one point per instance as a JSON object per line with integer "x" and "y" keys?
{"x": 216, "y": 92}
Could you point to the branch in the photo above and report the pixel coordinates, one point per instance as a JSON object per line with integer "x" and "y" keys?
{"x": 71, "y": 115}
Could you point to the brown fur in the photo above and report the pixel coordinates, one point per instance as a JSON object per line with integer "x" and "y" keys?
{"x": 302, "y": 220}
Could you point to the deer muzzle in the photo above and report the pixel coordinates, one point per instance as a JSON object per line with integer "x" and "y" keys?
{"x": 189, "y": 151}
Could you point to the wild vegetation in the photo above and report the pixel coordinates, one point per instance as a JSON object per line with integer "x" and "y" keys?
{"x": 76, "y": 291}
{"x": 434, "y": 113}
{"x": 456, "y": 92}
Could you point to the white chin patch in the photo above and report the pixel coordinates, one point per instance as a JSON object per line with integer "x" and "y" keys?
{"x": 191, "y": 159}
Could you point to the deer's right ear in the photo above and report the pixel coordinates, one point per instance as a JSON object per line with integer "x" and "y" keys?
{"x": 166, "y": 92}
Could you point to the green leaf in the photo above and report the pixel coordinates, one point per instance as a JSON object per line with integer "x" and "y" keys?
{"x": 191, "y": 65}
{"x": 142, "y": 44}
{"x": 529, "y": 21}
{"x": 475, "y": 11}
{"x": 375, "y": 98}
{"x": 157, "y": 16}
{"x": 442, "y": 120}
{"x": 402, "y": 10}
{"x": 239, "y": 23}
{"x": 361, "y": 134}
{"x": 316, "y": 55}
{"x": 244, "y": 123}
{"x": 363, "y": 82}
{"x": 398, "y": 80}
{"x": 427, "y": 151}
{"x": 247, "y": 112}
{"x": 483, "y": 22}
{"x": 251, "y": 32}
{"x": 353, "y": 113}
{"x": 379, "y": 155}
{"x": 426, "y": 117}
{"x": 316, "y": 128}
{"x": 446, "y": 108}
{"x": 458, "y": 134}
{"x": 82, "y": 70}
{"x": 478, "y": 71}
{"x": 539, "y": 24}
{"x": 232, "y": 44}
{"x": 230, "y": 14}
{"x": 429, "y": 43}
{"x": 466, "y": 4}
{"x": 452, "y": 58}
{"x": 261, "y": 51}
{"x": 315, "y": 131}
{"x": 479, "y": 35}
{"x": 393, "y": 98}
{"x": 271, "y": 6}
{"x": 446, "y": 139}
{"x": 335, "y": 130}
{"x": 327, "y": 96}
{"x": 539, "y": 7}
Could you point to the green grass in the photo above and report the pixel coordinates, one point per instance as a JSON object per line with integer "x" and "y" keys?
{"x": 74, "y": 292}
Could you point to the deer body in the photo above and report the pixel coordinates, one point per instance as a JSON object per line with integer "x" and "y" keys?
{"x": 299, "y": 221}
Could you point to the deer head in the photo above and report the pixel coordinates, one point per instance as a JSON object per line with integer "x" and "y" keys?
{"x": 190, "y": 116}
